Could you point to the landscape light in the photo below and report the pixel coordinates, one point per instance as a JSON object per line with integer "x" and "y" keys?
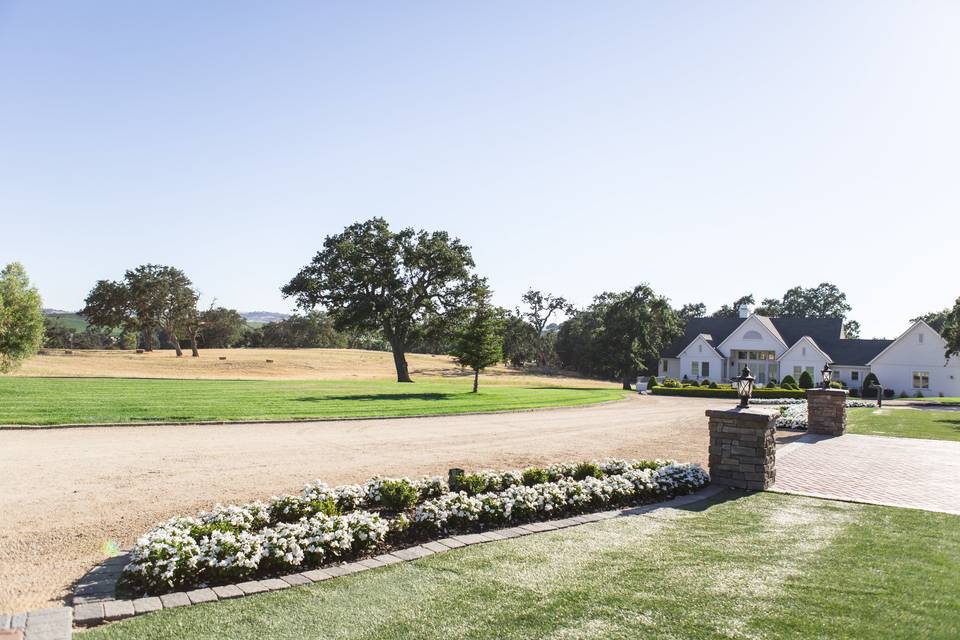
{"x": 744, "y": 387}
{"x": 826, "y": 373}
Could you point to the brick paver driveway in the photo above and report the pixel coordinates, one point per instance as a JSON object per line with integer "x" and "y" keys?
{"x": 899, "y": 472}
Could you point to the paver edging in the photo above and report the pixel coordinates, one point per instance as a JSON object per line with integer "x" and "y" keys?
{"x": 94, "y": 613}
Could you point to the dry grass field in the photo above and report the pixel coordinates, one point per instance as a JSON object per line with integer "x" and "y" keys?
{"x": 288, "y": 364}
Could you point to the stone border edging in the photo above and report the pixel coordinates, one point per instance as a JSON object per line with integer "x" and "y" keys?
{"x": 201, "y": 423}
{"x": 94, "y": 613}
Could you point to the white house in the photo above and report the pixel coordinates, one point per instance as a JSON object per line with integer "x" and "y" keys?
{"x": 718, "y": 348}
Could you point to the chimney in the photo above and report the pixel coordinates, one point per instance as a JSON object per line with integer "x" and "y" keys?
{"x": 744, "y": 311}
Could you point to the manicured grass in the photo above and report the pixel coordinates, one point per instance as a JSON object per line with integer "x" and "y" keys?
{"x": 754, "y": 566}
{"x": 44, "y": 401}
{"x": 905, "y": 423}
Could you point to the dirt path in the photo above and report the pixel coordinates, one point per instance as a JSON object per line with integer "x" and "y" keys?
{"x": 67, "y": 493}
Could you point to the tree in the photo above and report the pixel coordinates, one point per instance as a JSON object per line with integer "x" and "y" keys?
{"x": 770, "y": 307}
{"x": 479, "y": 342}
{"x": 21, "y": 317}
{"x": 823, "y": 301}
{"x": 540, "y": 308}
{"x": 636, "y": 328}
{"x": 951, "y": 331}
{"x": 149, "y": 298}
{"x": 937, "y": 320}
{"x": 728, "y": 311}
{"x": 851, "y": 329}
{"x": 519, "y": 341}
{"x": 369, "y": 277}
{"x": 221, "y": 327}
{"x": 692, "y": 310}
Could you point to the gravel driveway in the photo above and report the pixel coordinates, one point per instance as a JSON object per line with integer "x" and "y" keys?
{"x": 68, "y": 494}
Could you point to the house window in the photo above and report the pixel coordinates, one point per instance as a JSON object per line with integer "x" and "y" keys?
{"x": 753, "y": 355}
{"x": 699, "y": 348}
{"x": 921, "y": 379}
{"x": 695, "y": 369}
{"x": 665, "y": 366}
{"x": 742, "y": 355}
{"x": 854, "y": 375}
{"x": 804, "y": 349}
{"x": 752, "y": 335}
{"x": 810, "y": 371}
{"x": 705, "y": 369}
{"x": 796, "y": 373}
{"x": 920, "y": 337}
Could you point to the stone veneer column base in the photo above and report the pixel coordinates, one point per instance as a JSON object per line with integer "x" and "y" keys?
{"x": 827, "y": 411}
{"x": 743, "y": 447}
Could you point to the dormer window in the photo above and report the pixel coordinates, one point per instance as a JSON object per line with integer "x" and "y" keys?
{"x": 804, "y": 349}
{"x": 920, "y": 337}
{"x": 752, "y": 335}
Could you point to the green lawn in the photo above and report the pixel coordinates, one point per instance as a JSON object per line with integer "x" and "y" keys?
{"x": 755, "y": 566}
{"x": 905, "y": 423}
{"x": 86, "y": 400}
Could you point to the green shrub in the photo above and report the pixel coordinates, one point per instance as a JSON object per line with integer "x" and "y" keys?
{"x": 806, "y": 380}
{"x": 472, "y": 483}
{"x": 293, "y": 508}
{"x": 670, "y": 383}
{"x": 703, "y": 392}
{"x": 714, "y": 385}
{"x": 771, "y": 385}
{"x": 788, "y": 379}
{"x": 888, "y": 393}
{"x": 836, "y": 384}
{"x": 586, "y": 470}
{"x": 867, "y": 388}
{"x": 652, "y": 382}
{"x": 919, "y": 394}
{"x": 397, "y": 495}
{"x": 854, "y": 392}
{"x": 903, "y": 394}
{"x": 535, "y": 475}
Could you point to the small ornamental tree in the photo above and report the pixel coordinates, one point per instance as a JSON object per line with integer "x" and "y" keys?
{"x": 479, "y": 342}
{"x": 21, "y": 317}
{"x": 806, "y": 380}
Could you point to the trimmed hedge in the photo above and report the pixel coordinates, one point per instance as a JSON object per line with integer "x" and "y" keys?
{"x": 704, "y": 392}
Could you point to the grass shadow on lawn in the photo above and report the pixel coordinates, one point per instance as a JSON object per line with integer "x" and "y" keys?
{"x": 955, "y": 424}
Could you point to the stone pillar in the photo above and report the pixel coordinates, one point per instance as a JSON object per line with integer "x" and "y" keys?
{"x": 743, "y": 447}
{"x": 827, "y": 411}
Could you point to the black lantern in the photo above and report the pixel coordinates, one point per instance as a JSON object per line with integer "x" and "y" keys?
{"x": 826, "y": 374}
{"x": 744, "y": 387}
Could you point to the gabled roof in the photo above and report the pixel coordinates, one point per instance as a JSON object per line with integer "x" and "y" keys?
{"x": 902, "y": 336}
{"x": 812, "y": 342}
{"x": 706, "y": 338}
{"x": 825, "y": 332}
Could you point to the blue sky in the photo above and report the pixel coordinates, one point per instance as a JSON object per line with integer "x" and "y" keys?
{"x": 577, "y": 147}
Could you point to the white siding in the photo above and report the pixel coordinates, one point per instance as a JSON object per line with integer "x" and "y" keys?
{"x": 804, "y": 355}
{"x": 672, "y": 370}
{"x": 699, "y": 352}
{"x": 895, "y": 366}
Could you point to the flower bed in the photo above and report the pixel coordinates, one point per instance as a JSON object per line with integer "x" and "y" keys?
{"x": 706, "y": 392}
{"x": 325, "y": 525}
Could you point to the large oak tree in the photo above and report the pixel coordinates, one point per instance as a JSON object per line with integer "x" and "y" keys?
{"x": 369, "y": 277}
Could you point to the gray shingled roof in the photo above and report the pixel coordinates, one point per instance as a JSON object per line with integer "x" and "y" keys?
{"x": 826, "y": 332}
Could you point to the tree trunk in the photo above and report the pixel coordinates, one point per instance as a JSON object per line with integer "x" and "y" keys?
{"x": 476, "y": 379}
{"x": 193, "y": 346}
{"x": 627, "y": 379}
{"x": 172, "y": 336}
{"x": 148, "y": 338}
{"x": 400, "y": 361}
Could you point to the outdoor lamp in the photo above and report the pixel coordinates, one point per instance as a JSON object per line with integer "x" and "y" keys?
{"x": 744, "y": 387}
{"x": 827, "y": 373}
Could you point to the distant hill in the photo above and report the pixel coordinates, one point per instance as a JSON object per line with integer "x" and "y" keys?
{"x": 264, "y": 317}
{"x": 74, "y": 321}
{"x": 68, "y": 319}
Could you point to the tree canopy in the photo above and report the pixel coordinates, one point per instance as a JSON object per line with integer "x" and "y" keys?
{"x": 21, "y": 317}
{"x": 369, "y": 277}
{"x": 147, "y": 299}
{"x": 951, "y": 331}
{"x": 540, "y": 307}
